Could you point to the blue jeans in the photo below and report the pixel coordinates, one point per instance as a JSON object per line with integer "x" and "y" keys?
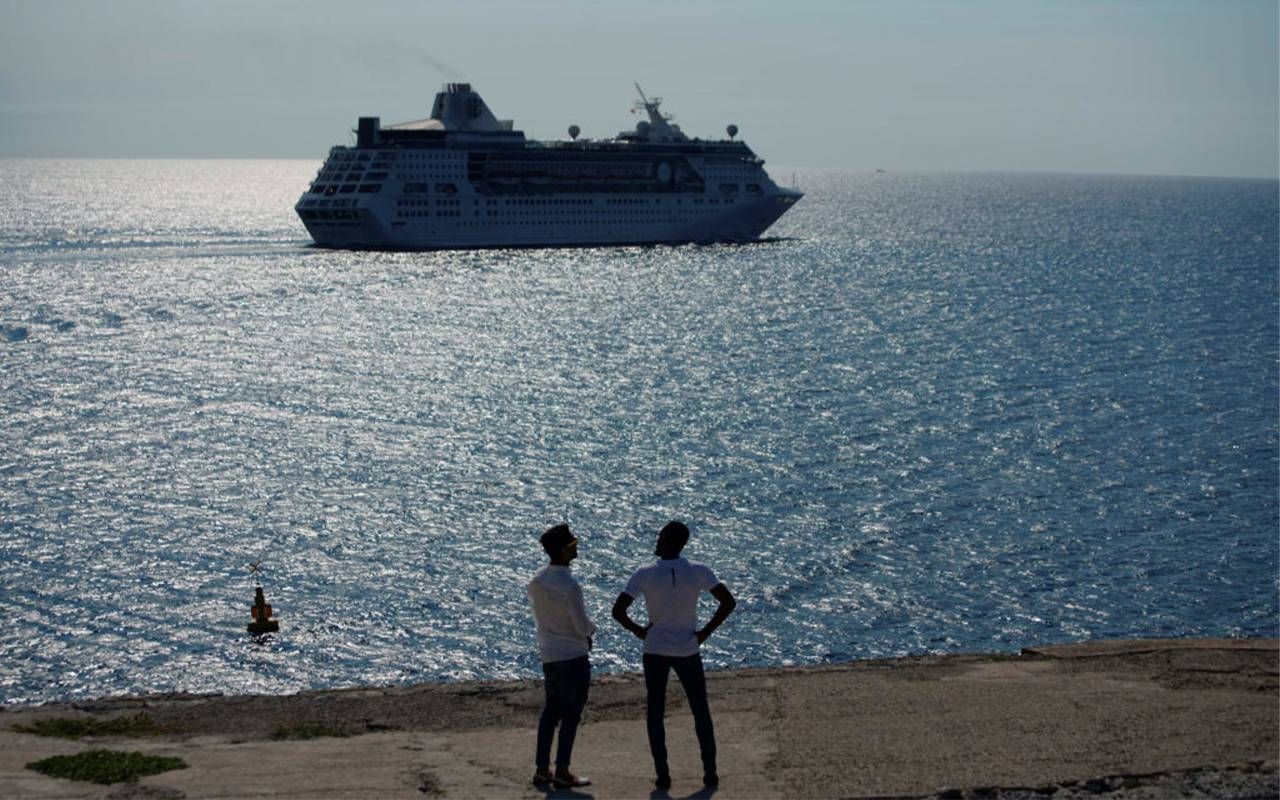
{"x": 566, "y": 684}
{"x": 689, "y": 671}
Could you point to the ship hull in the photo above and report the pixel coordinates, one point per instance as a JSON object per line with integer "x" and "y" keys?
{"x": 614, "y": 222}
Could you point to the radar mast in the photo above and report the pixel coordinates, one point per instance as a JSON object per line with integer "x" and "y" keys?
{"x": 658, "y": 130}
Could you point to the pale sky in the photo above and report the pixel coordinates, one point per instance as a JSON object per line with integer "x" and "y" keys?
{"x": 1183, "y": 87}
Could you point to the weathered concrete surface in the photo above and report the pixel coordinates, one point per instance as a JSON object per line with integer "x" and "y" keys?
{"x": 1054, "y": 718}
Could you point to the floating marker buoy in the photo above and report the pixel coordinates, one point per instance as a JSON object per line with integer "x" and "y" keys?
{"x": 262, "y": 621}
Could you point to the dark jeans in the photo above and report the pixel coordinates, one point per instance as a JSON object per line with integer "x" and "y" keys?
{"x": 567, "y": 684}
{"x": 689, "y": 671}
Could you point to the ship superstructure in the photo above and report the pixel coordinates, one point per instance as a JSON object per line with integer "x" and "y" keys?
{"x": 464, "y": 178}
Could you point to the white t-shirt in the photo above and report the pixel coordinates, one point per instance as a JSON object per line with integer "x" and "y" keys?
{"x": 559, "y": 614}
{"x": 671, "y": 588}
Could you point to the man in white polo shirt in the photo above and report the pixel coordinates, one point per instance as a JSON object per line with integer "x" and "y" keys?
{"x": 564, "y": 639}
{"x": 671, "y": 587}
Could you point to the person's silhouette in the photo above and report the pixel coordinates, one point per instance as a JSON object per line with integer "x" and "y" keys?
{"x": 564, "y": 640}
{"x": 671, "y": 587}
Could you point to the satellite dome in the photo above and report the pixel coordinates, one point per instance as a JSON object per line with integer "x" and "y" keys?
{"x": 574, "y": 130}
{"x": 732, "y": 130}
{"x": 642, "y": 128}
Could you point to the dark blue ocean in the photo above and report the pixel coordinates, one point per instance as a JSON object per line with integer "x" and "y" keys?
{"x": 937, "y": 413}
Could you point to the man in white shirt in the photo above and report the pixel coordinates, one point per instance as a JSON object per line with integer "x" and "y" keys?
{"x": 671, "y": 587}
{"x": 564, "y": 639}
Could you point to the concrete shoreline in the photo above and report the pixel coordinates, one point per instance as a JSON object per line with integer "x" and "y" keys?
{"x": 1136, "y": 718}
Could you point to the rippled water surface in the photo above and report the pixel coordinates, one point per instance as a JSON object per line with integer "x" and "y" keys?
{"x": 940, "y": 413}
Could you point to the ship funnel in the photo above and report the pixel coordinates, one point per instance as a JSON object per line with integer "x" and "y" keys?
{"x": 459, "y": 108}
{"x": 367, "y": 131}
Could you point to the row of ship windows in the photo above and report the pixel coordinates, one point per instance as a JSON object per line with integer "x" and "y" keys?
{"x": 651, "y": 217}
{"x": 359, "y": 161}
{"x": 384, "y": 159}
{"x": 540, "y": 206}
{"x": 550, "y": 201}
{"x": 325, "y": 214}
{"x": 415, "y": 203}
{"x": 574, "y": 201}
{"x": 343, "y": 158}
{"x": 311, "y": 202}
{"x": 332, "y": 189}
{"x": 337, "y": 175}
{"x": 344, "y": 155}
{"x": 609, "y": 221}
{"x": 390, "y": 155}
{"x": 535, "y": 216}
{"x": 329, "y": 178}
{"x": 347, "y": 188}
{"x": 565, "y": 201}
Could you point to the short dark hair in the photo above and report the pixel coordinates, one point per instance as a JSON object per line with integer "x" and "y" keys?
{"x": 555, "y": 538}
{"x": 676, "y": 534}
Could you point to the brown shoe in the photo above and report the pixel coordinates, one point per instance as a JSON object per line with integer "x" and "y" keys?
{"x": 567, "y": 780}
{"x": 543, "y": 777}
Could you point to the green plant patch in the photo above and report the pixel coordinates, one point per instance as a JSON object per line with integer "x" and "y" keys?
{"x": 77, "y": 727}
{"x": 304, "y": 730}
{"x": 106, "y": 766}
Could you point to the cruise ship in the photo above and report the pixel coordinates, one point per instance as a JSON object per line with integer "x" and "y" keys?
{"x": 464, "y": 179}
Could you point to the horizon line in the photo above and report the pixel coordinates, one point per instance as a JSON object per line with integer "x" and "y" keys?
{"x": 782, "y": 167}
